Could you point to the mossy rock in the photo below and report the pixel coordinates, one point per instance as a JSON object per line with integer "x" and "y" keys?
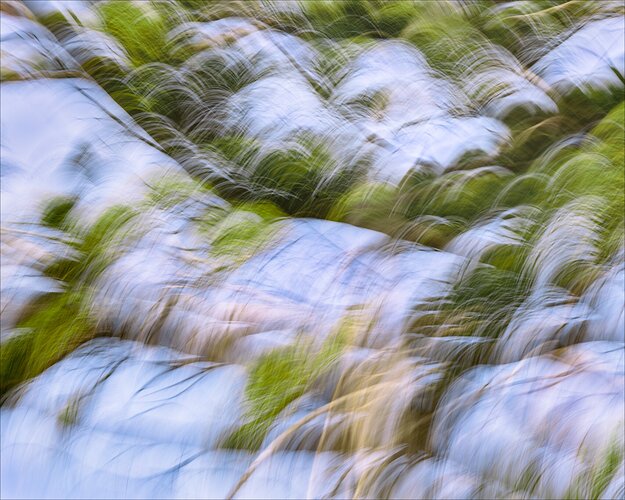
{"x": 277, "y": 379}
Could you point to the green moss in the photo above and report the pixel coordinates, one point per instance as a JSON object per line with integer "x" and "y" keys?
{"x": 393, "y": 16}
{"x": 593, "y": 173}
{"x": 96, "y": 248}
{"x": 459, "y": 196}
{"x": 172, "y": 190}
{"x": 239, "y": 233}
{"x": 56, "y": 213}
{"x": 444, "y": 34}
{"x": 510, "y": 258}
{"x": 592, "y": 483}
{"x": 344, "y": 19}
{"x": 56, "y": 324}
{"x": 367, "y": 205}
{"x": 141, "y": 31}
{"x": 277, "y": 379}
{"x": 303, "y": 180}
{"x": 603, "y": 473}
{"x": 55, "y": 329}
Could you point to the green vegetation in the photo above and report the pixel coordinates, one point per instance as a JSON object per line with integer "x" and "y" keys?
{"x": 594, "y": 481}
{"x": 55, "y": 324}
{"x": 138, "y": 27}
{"x": 59, "y": 324}
{"x": 276, "y": 380}
{"x": 538, "y": 218}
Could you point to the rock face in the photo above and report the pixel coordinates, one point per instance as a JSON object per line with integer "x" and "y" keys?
{"x": 357, "y": 361}
{"x": 118, "y": 419}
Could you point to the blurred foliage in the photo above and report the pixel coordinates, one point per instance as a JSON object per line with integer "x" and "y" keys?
{"x": 540, "y": 219}
{"x": 180, "y": 84}
{"x": 277, "y": 379}
{"x": 59, "y": 324}
{"x": 179, "y": 80}
{"x": 138, "y": 27}
{"x": 55, "y": 324}
{"x": 245, "y": 231}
